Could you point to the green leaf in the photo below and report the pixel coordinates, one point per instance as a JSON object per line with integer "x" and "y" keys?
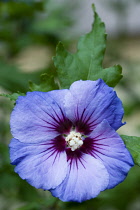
{"x": 133, "y": 145}
{"x": 13, "y": 96}
{"x": 47, "y": 83}
{"x": 86, "y": 63}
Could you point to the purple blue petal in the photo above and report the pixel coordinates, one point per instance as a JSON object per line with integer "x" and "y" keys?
{"x": 85, "y": 179}
{"x": 106, "y": 145}
{"x": 38, "y": 117}
{"x": 41, "y": 165}
{"x": 90, "y": 102}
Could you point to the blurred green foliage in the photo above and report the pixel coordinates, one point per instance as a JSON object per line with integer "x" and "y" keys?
{"x": 23, "y": 24}
{"x": 27, "y": 23}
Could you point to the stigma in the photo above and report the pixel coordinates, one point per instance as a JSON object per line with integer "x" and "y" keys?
{"x": 74, "y": 140}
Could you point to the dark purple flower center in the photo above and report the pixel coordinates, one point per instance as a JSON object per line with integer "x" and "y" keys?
{"x": 82, "y": 127}
{"x": 64, "y": 126}
{"x": 72, "y": 138}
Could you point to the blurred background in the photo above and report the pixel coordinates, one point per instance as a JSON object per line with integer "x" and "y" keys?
{"x": 29, "y": 33}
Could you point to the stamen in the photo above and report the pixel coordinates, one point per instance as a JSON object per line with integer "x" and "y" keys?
{"x": 74, "y": 140}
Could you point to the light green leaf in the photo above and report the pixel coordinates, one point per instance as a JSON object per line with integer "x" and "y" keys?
{"x": 47, "y": 83}
{"x": 13, "y": 96}
{"x": 86, "y": 63}
{"x": 133, "y": 145}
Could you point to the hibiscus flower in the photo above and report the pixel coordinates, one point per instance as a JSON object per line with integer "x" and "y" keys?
{"x": 65, "y": 141}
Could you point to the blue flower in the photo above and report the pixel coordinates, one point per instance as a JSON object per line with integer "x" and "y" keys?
{"x": 65, "y": 141}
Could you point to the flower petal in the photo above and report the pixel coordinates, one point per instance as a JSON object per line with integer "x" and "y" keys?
{"x": 106, "y": 145}
{"x": 90, "y": 102}
{"x": 86, "y": 177}
{"x": 38, "y": 116}
{"x": 41, "y": 165}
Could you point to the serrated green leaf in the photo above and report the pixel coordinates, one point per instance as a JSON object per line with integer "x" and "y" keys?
{"x": 47, "y": 83}
{"x": 133, "y": 145}
{"x": 86, "y": 63}
{"x": 13, "y": 96}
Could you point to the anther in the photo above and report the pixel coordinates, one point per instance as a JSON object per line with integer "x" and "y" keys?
{"x": 74, "y": 140}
